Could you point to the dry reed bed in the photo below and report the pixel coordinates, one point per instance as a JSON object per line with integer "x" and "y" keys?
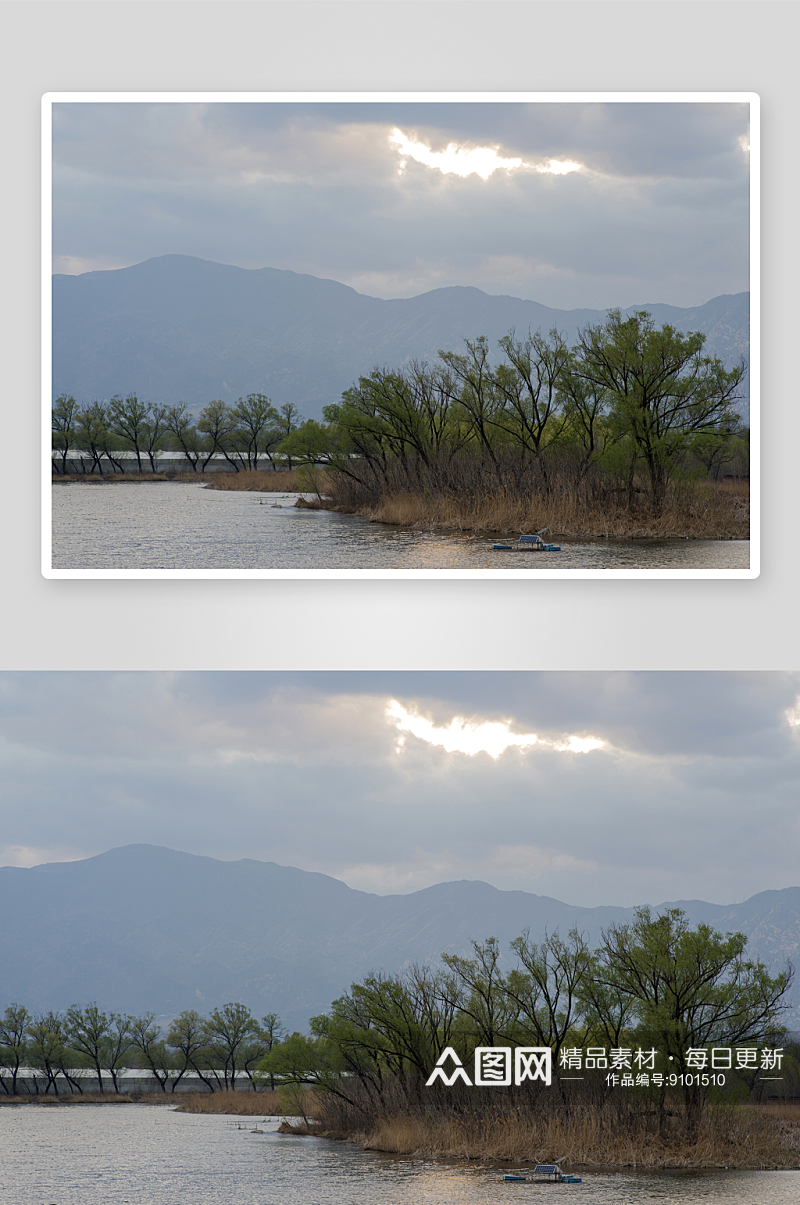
{"x": 743, "y": 1137}
{"x": 259, "y": 481}
{"x": 699, "y": 512}
{"x": 238, "y": 1104}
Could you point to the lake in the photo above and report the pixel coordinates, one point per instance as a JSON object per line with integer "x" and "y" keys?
{"x": 150, "y": 1155}
{"x": 183, "y": 527}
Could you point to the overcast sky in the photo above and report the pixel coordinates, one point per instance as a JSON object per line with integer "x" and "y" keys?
{"x": 569, "y": 204}
{"x": 594, "y": 788}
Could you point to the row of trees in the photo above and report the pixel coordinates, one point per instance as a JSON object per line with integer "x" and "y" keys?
{"x": 64, "y": 1047}
{"x": 625, "y": 410}
{"x": 249, "y": 433}
{"x": 630, "y": 404}
{"x": 655, "y": 984}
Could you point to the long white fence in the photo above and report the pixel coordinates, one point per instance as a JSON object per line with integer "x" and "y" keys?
{"x": 176, "y": 462}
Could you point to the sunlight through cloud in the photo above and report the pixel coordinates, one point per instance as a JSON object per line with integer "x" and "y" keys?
{"x": 559, "y": 167}
{"x": 481, "y": 161}
{"x": 491, "y": 736}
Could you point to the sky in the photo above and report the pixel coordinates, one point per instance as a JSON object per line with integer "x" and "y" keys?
{"x": 568, "y": 204}
{"x": 593, "y": 788}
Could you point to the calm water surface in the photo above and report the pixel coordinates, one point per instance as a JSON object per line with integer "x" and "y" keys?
{"x": 149, "y": 1155}
{"x": 178, "y": 525}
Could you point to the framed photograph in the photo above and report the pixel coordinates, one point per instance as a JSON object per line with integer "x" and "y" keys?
{"x": 389, "y": 335}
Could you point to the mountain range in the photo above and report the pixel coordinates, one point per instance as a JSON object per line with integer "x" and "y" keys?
{"x": 147, "y": 928}
{"x": 181, "y": 329}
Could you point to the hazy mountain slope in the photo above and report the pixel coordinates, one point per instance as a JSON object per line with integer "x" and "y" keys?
{"x": 177, "y": 328}
{"x": 144, "y": 927}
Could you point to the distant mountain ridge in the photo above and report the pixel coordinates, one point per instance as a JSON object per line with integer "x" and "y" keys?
{"x": 181, "y": 329}
{"x": 147, "y": 928}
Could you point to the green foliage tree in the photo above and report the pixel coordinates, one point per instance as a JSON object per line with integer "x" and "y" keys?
{"x": 128, "y": 418}
{"x": 301, "y": 1061}
{"x": 102, "y": 1039}
{"x": 65, "y": 412}
{"x": 479, "y": 993}
{"x": 148, "y": 1039}
{"x": 688, "y": 989}
{"x": 387, "y": 1032}
{"x": 660, "y": 389}
{"x": 529, "y": 383}
{"x": 219, "y": 423}
{"x": 92, "y": 434}
{"x": 154, "y": 433}
{"x": 13, "y": 1045}
{"x": 270, "y": 1034}
{"x": 289, "y": 420}
{"x": 256, "y": 424}
{"x": 48, "y": 1051}
{"x": 188, "y": 1036}
{"x": 179, "y": 423}
{"x": 546, "y": 987}
{"x": 228, "y": 1031}
{"x": 480, "y": 398}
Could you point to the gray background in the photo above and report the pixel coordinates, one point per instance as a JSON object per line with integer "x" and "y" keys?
{"x": 397, "y": 46}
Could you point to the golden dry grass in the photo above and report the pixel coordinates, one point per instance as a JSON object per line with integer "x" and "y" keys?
{"x": 238, "y": 1104}
{"x": 257, "y": 481}
{"x": 699, "y": 511}
{"x": 741, "y": 1136}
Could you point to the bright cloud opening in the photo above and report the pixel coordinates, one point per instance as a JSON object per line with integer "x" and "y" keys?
{"x": 559, "y": 167}
{"x": 481, "y": 161}
{"x": 491, "y": 736}
{"x": 578, "y": 744}
{"x": 793, "y": 714}
{"x": 457, "y": 160}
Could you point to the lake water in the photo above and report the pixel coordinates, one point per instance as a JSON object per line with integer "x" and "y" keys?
{"x": 150, "y": 1155}
{"x": 183, "y": 526}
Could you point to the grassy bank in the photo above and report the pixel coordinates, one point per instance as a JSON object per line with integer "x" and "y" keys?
{"x": 241, "y": 1104}
{"x": 118, "y": 478}
{"x": 707, "y": 510}
{"x": 692, "y": 510}
{"x": 732, "y": 1135}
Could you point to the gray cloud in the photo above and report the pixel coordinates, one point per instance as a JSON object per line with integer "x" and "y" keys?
{"x": 692, "y": 796}
{"x": 659, "y": 214}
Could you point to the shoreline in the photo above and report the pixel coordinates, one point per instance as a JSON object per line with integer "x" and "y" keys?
{"x": 280, "y": 481}
{"x": 774, "y": 1147}
{"x": 698, "y": 511}
{"x": 719, "y": 513}
{"x": 657, "y": 1155}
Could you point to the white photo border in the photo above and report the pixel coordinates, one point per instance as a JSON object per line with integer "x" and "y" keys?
{"x": 51, "y": 98}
